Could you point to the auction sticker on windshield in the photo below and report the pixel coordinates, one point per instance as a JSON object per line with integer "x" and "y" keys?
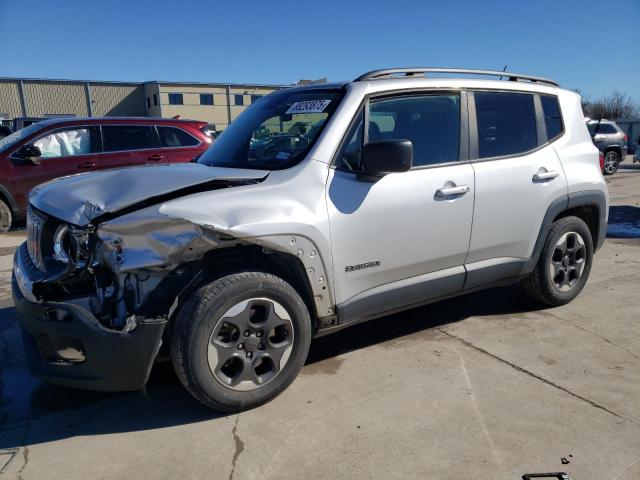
{"x": 308, "y": 106}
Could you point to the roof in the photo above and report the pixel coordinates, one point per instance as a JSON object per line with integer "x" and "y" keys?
{"x": 446, "y": 83}
{"x": 55, "y": 120}
{"x": 318, "y": 86}
{"x": 426, "y": 71}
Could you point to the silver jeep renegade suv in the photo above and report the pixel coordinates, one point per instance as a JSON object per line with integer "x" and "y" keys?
{"x": 319, "y": 207}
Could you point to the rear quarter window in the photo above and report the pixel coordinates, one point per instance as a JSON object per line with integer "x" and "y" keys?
{"x": 176, "y": 137}
{"x": 552, "y": 116}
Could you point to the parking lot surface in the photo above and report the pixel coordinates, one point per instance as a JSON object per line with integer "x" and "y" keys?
{"x": 485, "y": 386}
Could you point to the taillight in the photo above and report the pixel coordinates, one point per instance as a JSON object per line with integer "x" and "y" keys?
{"x": 601, "y": 161}
{"x": 626, "y": 137}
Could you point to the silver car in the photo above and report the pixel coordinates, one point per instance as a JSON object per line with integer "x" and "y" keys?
{"x": 401, "y": 189}
{"x": 611, "y": 140}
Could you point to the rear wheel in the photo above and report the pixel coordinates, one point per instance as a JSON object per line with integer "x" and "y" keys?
{"x": 564, "y": 264}
{"x": 241, "y": 340}
{"x": 611, "y": 162}
{"x": 5, "y": 217}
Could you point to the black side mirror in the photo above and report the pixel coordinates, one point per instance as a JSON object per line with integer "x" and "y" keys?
{"x": 30, "y": 153}
{"x": 386, "y": 156}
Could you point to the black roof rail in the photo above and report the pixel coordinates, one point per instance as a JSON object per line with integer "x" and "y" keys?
{"x": 411, "y": 72}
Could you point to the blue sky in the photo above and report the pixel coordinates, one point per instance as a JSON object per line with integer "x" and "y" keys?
{"x": 572, "y": 41}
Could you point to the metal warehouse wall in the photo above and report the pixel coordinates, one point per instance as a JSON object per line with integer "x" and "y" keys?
{"x": 117, "y": 100}
{"x": 46, "y": 98}
{"x": 10, "y": 99}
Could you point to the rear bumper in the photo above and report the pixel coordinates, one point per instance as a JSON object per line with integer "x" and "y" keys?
{"x": 65, "y": 344}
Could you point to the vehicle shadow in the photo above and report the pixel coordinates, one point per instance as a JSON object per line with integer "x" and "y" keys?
{"x": 35, "y": 412}
{"x": 624, "y": 222}
{"x": 496, "y": 301}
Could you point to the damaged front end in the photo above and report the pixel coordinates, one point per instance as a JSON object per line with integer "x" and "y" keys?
{"x": 94, "y": 299}
{"x": 94, "y": 302}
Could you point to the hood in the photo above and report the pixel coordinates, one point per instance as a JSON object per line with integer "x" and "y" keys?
{"x": 79, "y": 199}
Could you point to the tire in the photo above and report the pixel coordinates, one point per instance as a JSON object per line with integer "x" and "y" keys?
{"x": 208, "y": 329}
{"x": 611, "y": 162}
{"x": 5, "y": 217}
{"x": 543, "y": 284}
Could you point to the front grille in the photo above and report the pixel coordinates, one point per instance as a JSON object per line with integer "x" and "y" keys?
{"x": 35, "y": 224}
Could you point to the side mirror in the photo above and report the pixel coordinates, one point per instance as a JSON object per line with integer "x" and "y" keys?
{"x": 30, "y": 153}
{"x": 386, "y": 156}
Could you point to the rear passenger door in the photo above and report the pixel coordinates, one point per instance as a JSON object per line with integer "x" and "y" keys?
{"x": 125, "y": 145}
{"x": 518, "y": 175}
{"x": 177, "y": 144}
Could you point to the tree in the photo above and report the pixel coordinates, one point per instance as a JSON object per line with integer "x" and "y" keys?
{"x": 614, "y": 106}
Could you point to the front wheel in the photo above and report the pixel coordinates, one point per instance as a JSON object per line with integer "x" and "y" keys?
{"x": 611, "y": 162}
{"x": 241, "y": 340}
{"x": 564, "y": 264}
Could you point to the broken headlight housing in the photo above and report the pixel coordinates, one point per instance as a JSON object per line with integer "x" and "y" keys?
{"x": 65, "y": 244}
{"x": 71, "y": 246}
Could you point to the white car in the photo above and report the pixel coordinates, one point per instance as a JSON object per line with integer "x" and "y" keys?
{"x": 406, "y": 190}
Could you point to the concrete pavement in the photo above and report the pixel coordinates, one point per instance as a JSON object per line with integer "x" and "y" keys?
{"x": 486, "y": 386}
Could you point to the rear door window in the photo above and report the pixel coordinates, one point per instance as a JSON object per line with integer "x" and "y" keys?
{"x": 176, "y": 137}
{"x": 506, "y": 123}
{"x": 606, "y": 128}
{"x": 117, "y": 138}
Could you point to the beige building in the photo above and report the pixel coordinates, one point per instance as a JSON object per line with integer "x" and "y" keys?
{"x": 215, "y": 103}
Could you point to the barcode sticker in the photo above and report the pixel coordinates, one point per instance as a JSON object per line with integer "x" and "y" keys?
{"x": 308, "y": 106}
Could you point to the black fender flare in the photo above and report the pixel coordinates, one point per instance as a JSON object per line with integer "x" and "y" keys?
{"x": 586, "y": 198}
{"x": 593, "y": 198}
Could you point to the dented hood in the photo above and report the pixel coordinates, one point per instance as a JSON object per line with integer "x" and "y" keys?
{"x": 78, "y": 199}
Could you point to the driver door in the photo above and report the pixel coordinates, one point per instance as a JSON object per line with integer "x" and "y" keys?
{"x": 401, "y": 240}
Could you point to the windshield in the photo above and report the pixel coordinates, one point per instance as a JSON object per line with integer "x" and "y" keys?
{"x": 10, "y": 140}
{"x": 275, "y": 132}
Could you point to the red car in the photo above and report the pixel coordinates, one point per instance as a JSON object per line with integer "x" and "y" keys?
{"x": 55, "y": 148}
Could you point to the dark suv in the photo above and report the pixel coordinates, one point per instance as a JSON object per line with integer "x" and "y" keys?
{"x": 55, "y": 148}
{"x": 611, "y": 141}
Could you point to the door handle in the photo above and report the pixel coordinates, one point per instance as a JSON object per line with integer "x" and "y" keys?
{"x": 87, "y": 165}
{"x": 448, "y": 191}
{"x": 543, "y": 175}
{"x": 156, "y": 157}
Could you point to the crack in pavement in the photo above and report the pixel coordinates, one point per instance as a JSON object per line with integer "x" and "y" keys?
{"x": 538, "y": 377}
{"x": 25, "y": 456}
{"x": 25, "y": 451}
{"x": 478, "y": 413}
{"x": 550, "y": 314}
{"x": 239, "y": 447}
{"x": 626, "y": 470}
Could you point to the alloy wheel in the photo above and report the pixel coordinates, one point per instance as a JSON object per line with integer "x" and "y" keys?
{"x": 610, "y": 163}
{"x": 250, "y": 344}
{"x": 568, "y": 261}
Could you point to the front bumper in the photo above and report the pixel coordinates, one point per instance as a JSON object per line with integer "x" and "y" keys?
{"x": 65, "y": 343}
